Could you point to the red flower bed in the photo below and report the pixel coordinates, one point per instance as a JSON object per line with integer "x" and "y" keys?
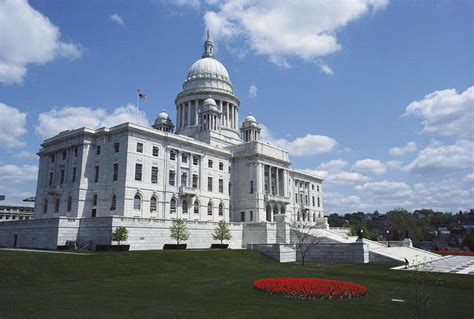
{"x": 448, "y": 252}
{"x": 314, "y": 288}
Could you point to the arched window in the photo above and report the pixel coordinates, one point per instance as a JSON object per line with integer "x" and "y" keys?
{"x": 69, "y": 203}
{"x": 173, "y": 206}
{"x": 185, "y": 207}
{"x": 152, "y": 204}
{"x": 56, "y": 205}
{"x": 137, "y": 202}
{"x": 45, "y": 206}
{"x": 209, "y": 208}
{"x": 275, "y": 210}
{"x": 196, "y": 207}
{"x": 113, "y": 205}
{"x": 221, "y": 209}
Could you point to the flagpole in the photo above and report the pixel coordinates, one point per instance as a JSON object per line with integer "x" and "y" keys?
{"x": 138, "y": 105}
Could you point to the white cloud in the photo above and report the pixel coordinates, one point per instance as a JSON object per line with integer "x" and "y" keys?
{"x": 469, "y": 177}
{"x": 339, "y": 177}
{"x": 394, "y": 164}
{"x": 18, "y": 173}
{"x": 445, "y": 112}
{"x": 253, "y": 91}
{"x": 25, "y": 154}
{"x": 194, "y": 4}
{"x": 302, "y": 146}
{"x": 439, "y": 158}
{"x": 402, "y": 150}
{"x": 27, "y": 36}
{"x": 116, "y": 18}
{"x": 333, "y": 165}
{"x": 71, "y": 117}
{"x": 283, "y": 29}
{"x": 326, "y": 69}
{"x": 386, "y": 189}
{"x": 12, "y": 126}
{"x": 370, "y": 166}
{"x": 335, "y": 202}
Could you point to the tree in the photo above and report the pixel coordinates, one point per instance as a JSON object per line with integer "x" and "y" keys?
{"x": 179, "y": 231}
{"x": 120, "y": 234}
{"x": 222, "y": 232}
{"x": 305, "y": 238}
{"x": 469, "y": 240}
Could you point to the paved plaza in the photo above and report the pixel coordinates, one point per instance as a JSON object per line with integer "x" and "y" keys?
{"x": 449, "y": 264}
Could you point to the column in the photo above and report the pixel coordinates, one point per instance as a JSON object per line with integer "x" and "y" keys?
{"x": 270, "y": 180}
{"x": 227, "y": 114}
{"x": 258, "y": 179}
{"x": 277, "y": 179}
{"x": 189, "y": 113}
{"x": 196, "y": 116}
{"x": 236, "y": 118}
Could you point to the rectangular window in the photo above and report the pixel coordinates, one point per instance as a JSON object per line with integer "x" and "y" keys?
{"x": 306, "y": 199}
{"x": 75, "y": 151}
{"x": 251, "y": 187}
{"x": 63, "y": 155}
{"x": 209, "y": 184}
{"x": 296, "y": 197}
{"x": 184, "y": 179}
{"x": 138, "y": 172}
{"x": 172, "y": 176}
{"x": 251, "y": 215}
{"x": 155, "y": 151}
{"x": 229, "y": 169}
{"x": 97, "y": 149}
{"x": 317, "y": 188}
{"x": 94, "y": 200}
{"x": 154, "y": 174}
{"x": 195, "y": 181}
{"x": 115, "y": 172}
{"x": 51, "y": 178}
{"x": 301, "y": 198}
{"x": 242, "y": 216}
{"x": 184, "y": 158}
{"x": 312, "y": 187}
{"x": 74, "y": 174}
{"x": 172, "y": 155}
{"x": 62, "y": 176}
{"x": 195, "y": 160}
{"x": 52, "y": 158}
{"x": 229, "y": 188}
{"x": 319, "y": 202}
{"x": 221, "y": 185}
{"x": 313, "y": 202}
{"x": 116, "y": 147}
{"x": 139, "y": 147}
{"x": 96, "y": 177}
{"x": 221, "y": 166}
{"x": 209, "y": 163}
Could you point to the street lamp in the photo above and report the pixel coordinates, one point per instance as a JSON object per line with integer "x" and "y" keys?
{"x": 387, "y": 234}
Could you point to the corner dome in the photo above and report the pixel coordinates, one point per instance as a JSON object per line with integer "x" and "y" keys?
{"x": 163, "y": 115}
{"x": 210, "y": 104}
{"x": 250, "y": 118}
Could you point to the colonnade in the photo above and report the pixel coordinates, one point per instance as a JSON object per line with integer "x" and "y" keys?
{"x": 275, "y": 180}
{"x": 187, "y": 114}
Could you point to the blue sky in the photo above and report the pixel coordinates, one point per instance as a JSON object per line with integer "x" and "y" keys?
{"x": 377, "y": 97}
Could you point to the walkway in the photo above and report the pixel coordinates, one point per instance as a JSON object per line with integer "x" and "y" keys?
{"x": 44, "y": 251}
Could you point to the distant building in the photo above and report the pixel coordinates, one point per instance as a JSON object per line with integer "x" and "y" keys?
{"x": 10, "y": 213}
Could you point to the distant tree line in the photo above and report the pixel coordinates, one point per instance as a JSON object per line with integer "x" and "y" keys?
{"x": 439, "y": 228}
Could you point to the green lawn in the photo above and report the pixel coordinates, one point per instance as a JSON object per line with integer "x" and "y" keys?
{"x": 203, "y": 284}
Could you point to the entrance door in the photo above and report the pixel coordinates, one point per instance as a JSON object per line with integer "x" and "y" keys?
{"x": 15, "y": 240}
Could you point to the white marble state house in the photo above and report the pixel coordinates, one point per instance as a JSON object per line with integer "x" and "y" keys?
{"x": 203, "y": 167}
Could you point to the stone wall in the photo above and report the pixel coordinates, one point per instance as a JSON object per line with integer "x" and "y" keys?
{"x": 30, "y": 233}
{"x": 357, "y": 252}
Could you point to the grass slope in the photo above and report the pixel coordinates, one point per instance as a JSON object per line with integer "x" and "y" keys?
{"x": 202, "y": 284}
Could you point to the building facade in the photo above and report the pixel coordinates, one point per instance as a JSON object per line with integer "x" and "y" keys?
{"x": 205, "y": 168}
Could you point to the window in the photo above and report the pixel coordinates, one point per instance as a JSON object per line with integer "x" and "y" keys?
{"x": 196, "y": 207}
{"x": 62, "y": 176}
{"x": 317, "y": 188}
{"x": 139, "y": 147}
{"x": 313, "y": 201}
{"x": 209, "y": 163}
{"x": 242, "y": 216}
{"x": 116, "y": 147}
{"x": 229, "y": 188}
{"x": 63, "y": 155}
{"x": 312, "y": 187}
{"x": 209, "y": 209}
{"x": 137, "y": 202}
{"x": 172, "y": 177}
{"x": 296, "y": 197}
{"x": 97, "y": 149}
{"x": 52, "y": 158}
{"x": 221, "y": 209}
{"x": 154, "y": 174}
{"x": 306, "y": 199}
{"x": 184, "y": 179}
{"x": 75, "y": 151}
{"x": 301, "y": 198}
{"x": 74, "y": 174}
{"x": 94, "y": 200}
{"x": 115, "y": 177}
{"x": 172, "y": 155}
{"x": 138, "y": 172}
{"x": 45, "y": 206}
{"x": 173, "y": 206}
{"x": 195, "y": 160}
{"x": 221, "y": 185}
{"x": 251, "y": 187}
{"x": 56, "y": 205}
{"x": 113, "y": 205}
{"x": 184, "y": 158}
{"x": 229, "y": 169}
{"x": 209, "y": 184}
{"x": 185, "y": 207}
{"x": 152, "y": 204}
{"x": 319, "y": 202}
{"x": 155, "y": 151}
{"x": 96, "y": 177}
{"x": 221, "y": 166}
{"x": 51, "y": 178}
{"x": 69, "y": 203}
{"x": 195, "y": 181}
{"x": 251, "y": 215}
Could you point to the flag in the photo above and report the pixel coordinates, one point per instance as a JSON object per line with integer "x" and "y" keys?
{"x": 141, "y": 95}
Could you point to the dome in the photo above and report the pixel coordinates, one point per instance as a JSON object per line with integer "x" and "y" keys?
{"x": 209, "y": 68}
{"x": 163, "y": 115}
{"x": 250, "y": 118}
{"x": 210, "y": 104}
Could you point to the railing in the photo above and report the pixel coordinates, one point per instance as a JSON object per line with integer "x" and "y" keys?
{"x": 186, "y": 190}
{"x": 277, "y": 198}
